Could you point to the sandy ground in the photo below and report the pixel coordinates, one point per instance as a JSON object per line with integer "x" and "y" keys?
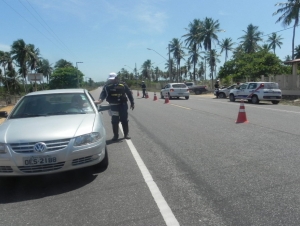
{"x": 8, "y": 109}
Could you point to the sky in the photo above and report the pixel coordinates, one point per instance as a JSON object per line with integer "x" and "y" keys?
{"x": 108, "y": 35}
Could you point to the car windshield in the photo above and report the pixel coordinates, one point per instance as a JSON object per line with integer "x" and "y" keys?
{"x": 52, "y": 104}
{"x": 179, "y": 86}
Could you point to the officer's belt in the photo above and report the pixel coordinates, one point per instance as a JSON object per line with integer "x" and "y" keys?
{"x": 113, "y": 95}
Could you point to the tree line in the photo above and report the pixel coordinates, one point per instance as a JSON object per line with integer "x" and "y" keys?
{"x": 24, "y": 58}
{"x": 249, "y": 57}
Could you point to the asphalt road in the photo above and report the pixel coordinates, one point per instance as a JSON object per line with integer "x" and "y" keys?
{"x": 187, "y": 163}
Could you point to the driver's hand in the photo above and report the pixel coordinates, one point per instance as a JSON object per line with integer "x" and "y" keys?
{"x": 132, "y": 106}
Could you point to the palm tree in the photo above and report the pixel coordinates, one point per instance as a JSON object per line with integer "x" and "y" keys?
{"x": 297, "y": 52}
{"x": 193, "y": 42}
{"x": 146, "y": 67}
{"x": 212, "y": 59}
{"x": 6, "y": 62}
{"x": 208, "y": 32}
{"x": 274, "y": 41}
{"x": 251, "y": 38}
{"x": 45, "y": 68}
{"x": 265, "y": 47}
{"x": 226, "y": 45}
{"x": 178, "y": 53}
{"x": 34, "y": 55}
{"x": 201, "y": 70}
{"x": 290, "y": 11}
{"x": 194, "y": 56}
{"x": 21, "y": 53}
{"x": 62, "y": 63}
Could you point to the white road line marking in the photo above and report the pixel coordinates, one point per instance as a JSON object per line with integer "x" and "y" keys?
{"x": 161, "y": 203}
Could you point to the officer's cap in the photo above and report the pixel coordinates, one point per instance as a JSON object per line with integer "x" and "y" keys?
{"x": 112, "y": 75}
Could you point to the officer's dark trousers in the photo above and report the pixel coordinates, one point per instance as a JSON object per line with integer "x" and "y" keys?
{"x": 119, "y": 113}
{"x": 144, "y": 92}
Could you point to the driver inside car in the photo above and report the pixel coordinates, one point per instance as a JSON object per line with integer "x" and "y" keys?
{"x": 77, "y": 102}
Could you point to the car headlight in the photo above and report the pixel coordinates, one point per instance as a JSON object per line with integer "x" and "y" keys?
{"x": 87, "y": 139}
{"x": 2, "y": 148}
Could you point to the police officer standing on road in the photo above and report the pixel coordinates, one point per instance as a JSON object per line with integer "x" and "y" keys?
{"x": 116, "y": 93}
{"x": 144, "y": 89}
{"x": 217, "y": 86}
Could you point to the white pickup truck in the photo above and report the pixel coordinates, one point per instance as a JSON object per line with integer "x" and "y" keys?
{"x": 257, "y": 91}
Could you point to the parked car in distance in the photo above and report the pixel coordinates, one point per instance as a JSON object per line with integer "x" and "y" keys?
{"x": 198, "y": 89}
{"x": 175, "y": 90}
{"x": 224, "y": 91}
{"x": 255, "y": 92}
{"x": 52, "y": 131}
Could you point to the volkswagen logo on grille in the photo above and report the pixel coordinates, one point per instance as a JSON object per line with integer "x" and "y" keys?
{"x": 40, "y": 147}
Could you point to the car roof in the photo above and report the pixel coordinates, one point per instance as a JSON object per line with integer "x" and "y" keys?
{"x": 54, "y": 91}
{"x": 176, "y": 83}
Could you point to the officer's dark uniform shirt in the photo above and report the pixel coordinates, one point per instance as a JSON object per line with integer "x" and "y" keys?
{"x": 217, "y": 85}
{"x": 143, "y": 86}
{"x": 115, "y": 93}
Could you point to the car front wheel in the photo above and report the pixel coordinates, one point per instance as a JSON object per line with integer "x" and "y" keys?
{"x": 187, "y": 98}
{"x": 231, "y": 98}
{"x": 255, "y": 100}
{"x": 222, "y": 95}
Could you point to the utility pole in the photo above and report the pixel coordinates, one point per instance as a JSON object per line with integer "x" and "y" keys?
{"x": 171, "y": 80}
{"x": 77, "y": 73}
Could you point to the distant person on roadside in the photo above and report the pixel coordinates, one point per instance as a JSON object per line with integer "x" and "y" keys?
{"x": 143, "y": 89}
{"x": 217, "y": 87}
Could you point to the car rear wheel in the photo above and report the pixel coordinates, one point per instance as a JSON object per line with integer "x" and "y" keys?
{"x": 255, "y": 100}
{"x": 162, "y": 96}
{"x": 187, "y": 98}
{"x": 231, "y": 98}
{"x": 169, "y": 96}
{"x": 275, "y": 101}
{"x": 222, "y": 95}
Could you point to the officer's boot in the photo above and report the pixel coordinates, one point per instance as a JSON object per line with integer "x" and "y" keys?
{"x": 116, "y": 132}
{"x": 126, "y": 130}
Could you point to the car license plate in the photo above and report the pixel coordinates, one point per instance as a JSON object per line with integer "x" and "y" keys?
{"x": 39, "y": 160}
{"x": 180, "y": 93}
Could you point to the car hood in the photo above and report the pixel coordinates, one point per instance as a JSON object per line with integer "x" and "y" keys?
{"x": 46, "y": 128}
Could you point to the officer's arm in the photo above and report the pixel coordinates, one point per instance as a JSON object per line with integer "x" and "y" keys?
{"x": 102, "y": 97}
{"x": 129, "y": 95}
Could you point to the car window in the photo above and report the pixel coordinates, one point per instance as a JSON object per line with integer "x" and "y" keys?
{"x": 189, "y": 83}
{"x": 252, "y": 86}
{"x": 52, "y": 104}
{"x": 271, "y": 86}
{"x": 179, "y": 86}
{"x": 243, "y": 86}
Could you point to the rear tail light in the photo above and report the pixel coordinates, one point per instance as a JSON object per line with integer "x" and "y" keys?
{"x": 171, "y": 90}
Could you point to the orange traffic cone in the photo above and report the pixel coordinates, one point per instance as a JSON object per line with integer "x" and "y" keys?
{"x": 147, "y": 96}
{"x": 138, "y": 94}
{"x": 167, "y": 99}
{"x": 155, "y": 97}
{"x": 242, "y": 118}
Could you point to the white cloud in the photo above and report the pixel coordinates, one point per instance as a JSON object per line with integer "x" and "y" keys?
{"x": 153, "y": 19}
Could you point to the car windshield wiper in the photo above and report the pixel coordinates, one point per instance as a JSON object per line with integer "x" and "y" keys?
{"x": 28, "y": 115}
{"x": 66, "y": 113}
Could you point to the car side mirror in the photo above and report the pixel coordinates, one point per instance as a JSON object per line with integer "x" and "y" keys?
{"x": 103, "y": 108}
{"x": 3, "y": 114}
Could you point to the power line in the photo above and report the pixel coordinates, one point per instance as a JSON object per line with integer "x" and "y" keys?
{"x": 31, "y": 24}
{"x": 48, "y": 27}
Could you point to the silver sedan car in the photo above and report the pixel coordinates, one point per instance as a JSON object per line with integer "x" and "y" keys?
{"x": 52, "y": 131}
